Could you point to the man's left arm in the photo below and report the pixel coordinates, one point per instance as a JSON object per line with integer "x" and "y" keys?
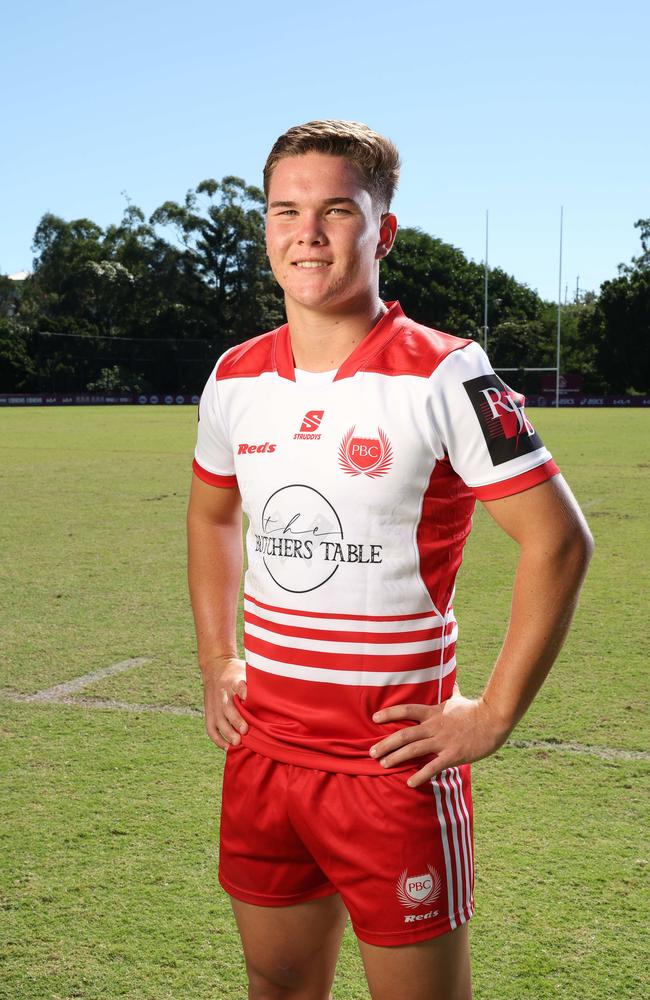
{"x": 555, "y": 547}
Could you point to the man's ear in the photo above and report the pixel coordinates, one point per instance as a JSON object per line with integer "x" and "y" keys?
{"x": 387, "y": 233}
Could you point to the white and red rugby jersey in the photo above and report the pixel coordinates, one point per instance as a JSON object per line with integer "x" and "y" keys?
{"x": 359, "y": 486}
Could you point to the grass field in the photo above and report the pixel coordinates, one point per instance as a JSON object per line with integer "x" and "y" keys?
{"x": 110, "y": 817}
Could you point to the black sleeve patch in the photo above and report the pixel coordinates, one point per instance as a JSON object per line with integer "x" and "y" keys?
{"x": 507, "y": 430}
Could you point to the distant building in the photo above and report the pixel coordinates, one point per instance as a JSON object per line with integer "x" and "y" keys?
{"x": 19, "y": 275}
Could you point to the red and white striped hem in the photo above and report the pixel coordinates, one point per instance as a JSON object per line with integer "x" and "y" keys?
{"x": 425, "y": 619}
{"x": 354, "y": 678}
{"x": 361, "y": 651}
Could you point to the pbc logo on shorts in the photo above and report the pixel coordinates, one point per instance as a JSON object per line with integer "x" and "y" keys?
{"x": 418, "y": 890}
{"x": 507, "y": 430}
{"x": 365, "y": 456}
{"x": 309, "y": 426}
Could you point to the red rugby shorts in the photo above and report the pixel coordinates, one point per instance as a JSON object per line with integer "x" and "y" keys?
{"x": 400, "y": 857}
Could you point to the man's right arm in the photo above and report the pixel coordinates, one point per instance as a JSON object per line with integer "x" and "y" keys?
{"x": 215, "y": 561}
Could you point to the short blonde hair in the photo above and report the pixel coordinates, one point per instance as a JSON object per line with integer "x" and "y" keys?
{"x": 375, "y": 156}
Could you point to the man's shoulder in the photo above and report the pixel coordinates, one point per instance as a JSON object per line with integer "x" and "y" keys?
{"x": 414, "y": 349}
{"x": 251, "y": 358}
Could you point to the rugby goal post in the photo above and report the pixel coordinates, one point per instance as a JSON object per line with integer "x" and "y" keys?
{"x": 558, "y": 345}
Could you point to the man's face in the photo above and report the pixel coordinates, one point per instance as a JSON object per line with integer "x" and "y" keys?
{"x": 324, "y": 235}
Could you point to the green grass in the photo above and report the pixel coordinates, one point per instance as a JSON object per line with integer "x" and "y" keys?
{"x": 109, "y": 832}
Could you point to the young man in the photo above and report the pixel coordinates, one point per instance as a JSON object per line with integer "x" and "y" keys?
{"x": 357, "y": 442}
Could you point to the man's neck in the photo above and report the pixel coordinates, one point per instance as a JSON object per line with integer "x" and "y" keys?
{"x": 321, "y": 341}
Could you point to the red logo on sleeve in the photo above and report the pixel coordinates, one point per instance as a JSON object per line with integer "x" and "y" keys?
{"x": 500, "y": 410}
{"x": 368, "y": 456}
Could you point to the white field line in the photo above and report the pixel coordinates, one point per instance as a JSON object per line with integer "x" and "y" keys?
{"x": 605, "y": 753}
{"x": 608, "y": 753}
{"x": 60, "y": 691}
{"x": 106, "y": 703}
{"x": 60, "y": 694}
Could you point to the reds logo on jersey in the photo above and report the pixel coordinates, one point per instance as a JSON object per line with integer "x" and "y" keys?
{"x": 507, "y": 430}
{"x": 418, "y": 890}
{"x": 365, "y": 456}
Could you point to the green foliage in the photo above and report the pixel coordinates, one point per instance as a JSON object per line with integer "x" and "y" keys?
{"x": 433, "y": 282}
{"x": 117, "y": 379}
{"x": 439, "y": 287}
{"x": 616, "y": 326}
{"x": 160, "y": 299}
{"x": 622, "y": 326}
{"x": 642, "y": 262}
{"x": 129, "y": 298}
{"x": 220, "y": 227}
{"x": 16, "y": 363}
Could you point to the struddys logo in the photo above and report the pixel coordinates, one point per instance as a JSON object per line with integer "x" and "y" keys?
{"x": 365, "y": 456}
{"x": 500, "y": 410}
{"x": 414, "y": 891}
{"x": 309, "y": 426}
{"x": 301, "y": 540}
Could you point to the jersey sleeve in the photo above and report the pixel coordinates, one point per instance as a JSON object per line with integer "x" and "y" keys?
{"x": 484, "y": 429}
{"x": 213, "y": 456}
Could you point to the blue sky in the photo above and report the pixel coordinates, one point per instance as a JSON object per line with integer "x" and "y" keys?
{"x": 511, "y": 107}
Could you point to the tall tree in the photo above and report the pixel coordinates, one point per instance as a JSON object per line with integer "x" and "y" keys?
{"x": 439, "y": 287}
{"x": 621, "y": 322}
{"x": 220, "y": 227}
{"x": 432, "y": 281}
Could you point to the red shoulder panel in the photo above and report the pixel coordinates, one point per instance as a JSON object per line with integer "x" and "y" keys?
{"x": 253, "y": 357}
{"x": 414, "y": 350}
{"x": 398, "y": 346}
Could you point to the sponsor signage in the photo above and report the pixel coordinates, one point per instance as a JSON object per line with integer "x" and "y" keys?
{"x": 570, "y": 384}
{"x": 500, "y": 411}
{"x": 301, "y": 540}
{"x": 93, "y": 399}
{"x": 586, "y": 399}
{"x": 355, "y": 459}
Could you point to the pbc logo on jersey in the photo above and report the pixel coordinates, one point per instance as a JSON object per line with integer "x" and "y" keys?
{"x": 507, "y": 430}
{"x": 418, "y": 890}
{"x": 309, "y": 426}
{"x": 365, "y": 456}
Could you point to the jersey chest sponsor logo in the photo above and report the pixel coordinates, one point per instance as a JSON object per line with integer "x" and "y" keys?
{"x": 256, "y": 449}
{"x": 365, "y": 455}
{"x": 500, "y": 411}
{"x": 309, "y": 426}
{"x": 414, "y": 891}
{"x": 301, "y": 540}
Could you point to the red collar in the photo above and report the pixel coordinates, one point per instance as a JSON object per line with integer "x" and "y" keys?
{"x": 383, "y": 331}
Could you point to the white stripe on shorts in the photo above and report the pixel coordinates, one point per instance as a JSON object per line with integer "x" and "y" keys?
{"x": 445, "y": 777}
{"x": 445, "y": 847}
{"x": 467, "y": 827}
{"x": 460, "y": 873}
{"x": 457, "y": 785}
